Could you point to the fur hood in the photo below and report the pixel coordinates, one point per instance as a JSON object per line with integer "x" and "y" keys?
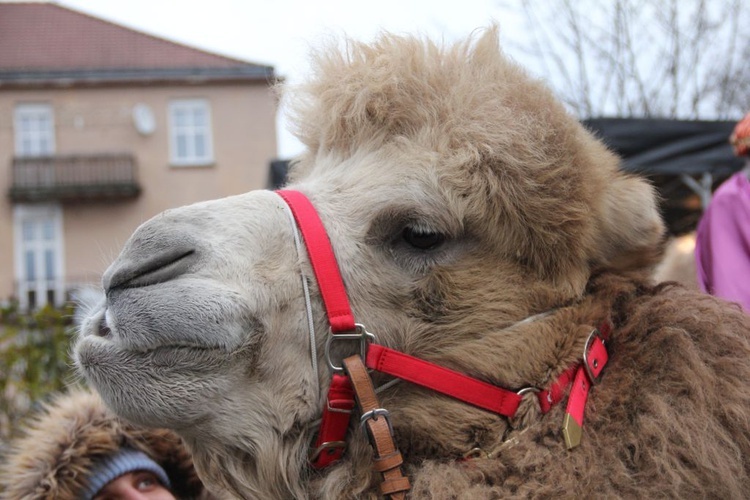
{"x": 54, "y": 456}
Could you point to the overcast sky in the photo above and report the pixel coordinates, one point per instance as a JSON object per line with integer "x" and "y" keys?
{"x": 280, "y": 32}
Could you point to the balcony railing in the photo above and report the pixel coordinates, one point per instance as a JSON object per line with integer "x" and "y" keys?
{"x": 75, "y": 177}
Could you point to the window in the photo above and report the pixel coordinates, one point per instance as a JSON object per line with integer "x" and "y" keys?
{"x": 190, "y": 132}
{"x": 39, "y": 262}
{"x": 34, "y": 130}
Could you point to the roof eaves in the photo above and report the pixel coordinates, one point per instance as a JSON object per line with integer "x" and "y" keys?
{"x": 133, "y": 75}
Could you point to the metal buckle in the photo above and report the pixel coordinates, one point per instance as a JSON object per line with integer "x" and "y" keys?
{"x": 362, "y": 335}
{"x": 594, "y": 334}
{"x": 328, "y": 447}
{"x": 374, "y": 414}
{"x": 530, "y": 389}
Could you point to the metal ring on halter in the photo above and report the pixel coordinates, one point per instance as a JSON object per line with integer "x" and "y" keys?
{"x": 363, "y": 336}
{"x": 328, "y": 447}
{"x": 528, "y": 389}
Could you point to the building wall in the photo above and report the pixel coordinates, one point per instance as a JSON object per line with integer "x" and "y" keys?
{"x": 99, "y": 120}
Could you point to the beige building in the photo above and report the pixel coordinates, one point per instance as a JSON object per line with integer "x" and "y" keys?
{"x": 102, "y": 127}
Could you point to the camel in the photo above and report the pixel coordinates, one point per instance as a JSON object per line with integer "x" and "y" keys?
{"x": 475, "y": 226}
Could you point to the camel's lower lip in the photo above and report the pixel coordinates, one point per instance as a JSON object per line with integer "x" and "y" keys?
{"x": 99, "y": 360}
{"x": 129, "y": 381}
{"x": 186, "y": 312}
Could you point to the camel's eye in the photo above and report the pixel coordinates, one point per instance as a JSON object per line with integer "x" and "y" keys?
{"x": 422, "y": 239}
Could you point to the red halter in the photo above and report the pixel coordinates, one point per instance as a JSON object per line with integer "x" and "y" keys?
{"x": 330, "y": 443}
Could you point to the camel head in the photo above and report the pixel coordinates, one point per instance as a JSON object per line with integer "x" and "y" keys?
{"x": 459, "y": 197}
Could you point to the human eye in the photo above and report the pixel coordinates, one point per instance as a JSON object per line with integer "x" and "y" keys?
{"x": 145, "y": 481}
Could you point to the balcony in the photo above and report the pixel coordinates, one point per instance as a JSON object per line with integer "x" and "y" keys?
{"x": 74, "y": 178}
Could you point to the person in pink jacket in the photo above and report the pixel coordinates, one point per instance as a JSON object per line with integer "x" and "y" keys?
{"x": 722, "y": 247}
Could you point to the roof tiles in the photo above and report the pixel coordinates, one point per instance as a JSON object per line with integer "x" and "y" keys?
{"x": 47, "y": 37}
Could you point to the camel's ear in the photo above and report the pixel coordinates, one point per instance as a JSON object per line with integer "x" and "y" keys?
{"x": 631, "y": 232}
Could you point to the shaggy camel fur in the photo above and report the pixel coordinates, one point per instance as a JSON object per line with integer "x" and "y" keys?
{"x": 460, "y": 198}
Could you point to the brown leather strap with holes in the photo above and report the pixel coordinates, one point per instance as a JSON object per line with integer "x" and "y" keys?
{"x": 387, "y": 458}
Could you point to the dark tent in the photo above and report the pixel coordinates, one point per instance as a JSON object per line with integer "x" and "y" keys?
{"x": 669, "y": 147}
{"x": 685, "y": 159}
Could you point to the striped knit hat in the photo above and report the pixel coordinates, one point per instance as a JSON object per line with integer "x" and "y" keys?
{"x": 124, "y": 461}
{"x": 740, "y": 138}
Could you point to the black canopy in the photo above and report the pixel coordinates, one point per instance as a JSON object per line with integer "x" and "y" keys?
{"x": 669, "y": 147}
{"x": 685, "y": 159}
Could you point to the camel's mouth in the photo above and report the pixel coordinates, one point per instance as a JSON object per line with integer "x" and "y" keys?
{"x": 94, "y": 351}
{"x": 106, "y": 340}
{"x": 101, "y": 356}
{"x": 185, "y": 313}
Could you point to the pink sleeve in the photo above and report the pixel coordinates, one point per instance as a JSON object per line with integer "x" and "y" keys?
{"x": 722, "y": 249}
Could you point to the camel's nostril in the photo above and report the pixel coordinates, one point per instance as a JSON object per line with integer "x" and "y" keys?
{"x": 103, "y": 330}
{"x": 153, "y": 269}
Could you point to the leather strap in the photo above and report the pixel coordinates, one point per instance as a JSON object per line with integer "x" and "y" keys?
{"x": 387, "y": 458}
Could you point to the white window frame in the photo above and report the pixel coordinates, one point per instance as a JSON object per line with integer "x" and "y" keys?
{"x": 190, "y": 131}
{"x": 35, "y": 136}
{"x": 39, "y": 213}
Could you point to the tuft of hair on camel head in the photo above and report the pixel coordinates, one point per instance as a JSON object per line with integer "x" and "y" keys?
{"x": 454, "y": 230}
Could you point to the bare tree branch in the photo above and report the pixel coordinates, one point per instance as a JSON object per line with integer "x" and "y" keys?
{"x": 659, "y": 58}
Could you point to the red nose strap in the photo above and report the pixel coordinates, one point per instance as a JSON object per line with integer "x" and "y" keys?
{"x": 323, "y": 261}
{"x": 330, "y": 443}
